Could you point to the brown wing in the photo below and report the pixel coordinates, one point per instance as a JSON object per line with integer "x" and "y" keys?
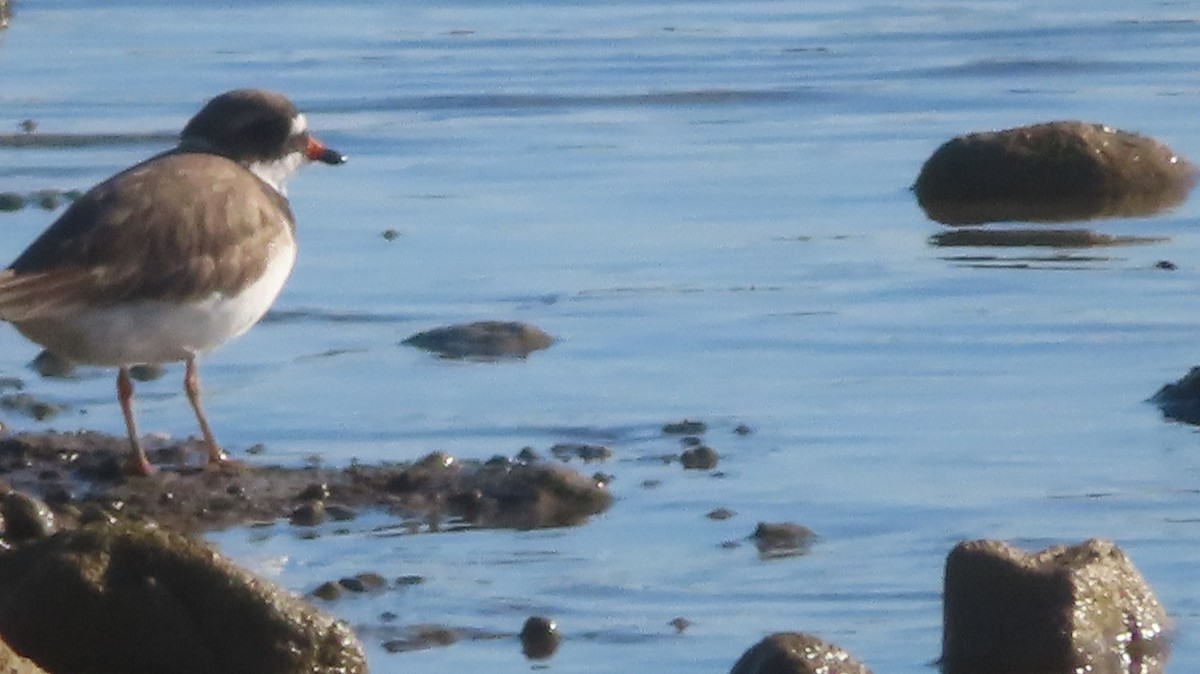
{"x": 177, "y": 227}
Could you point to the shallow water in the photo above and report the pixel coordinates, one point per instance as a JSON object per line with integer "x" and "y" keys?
{"x": 707, "y": 203}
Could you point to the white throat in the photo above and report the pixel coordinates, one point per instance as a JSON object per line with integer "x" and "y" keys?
{"x": 276, "y": 173}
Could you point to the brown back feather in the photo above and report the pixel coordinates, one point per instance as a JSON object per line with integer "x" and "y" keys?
{"x": 124, "y": 240}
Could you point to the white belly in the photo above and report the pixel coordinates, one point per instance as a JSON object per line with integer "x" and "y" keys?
{"x": 159, "y": 332}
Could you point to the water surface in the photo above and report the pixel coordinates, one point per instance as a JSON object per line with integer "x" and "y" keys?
{"x": 707, "y": 203}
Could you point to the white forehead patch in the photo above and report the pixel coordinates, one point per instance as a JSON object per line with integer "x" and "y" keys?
{"x": 299, "y": 124}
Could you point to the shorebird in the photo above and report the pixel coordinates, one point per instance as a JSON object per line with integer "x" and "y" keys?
{"x": 174, "y": 256}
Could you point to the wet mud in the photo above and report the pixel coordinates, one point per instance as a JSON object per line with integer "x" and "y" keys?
{"x": 80, "y": 477}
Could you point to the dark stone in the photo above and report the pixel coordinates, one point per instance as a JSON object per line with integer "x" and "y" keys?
{"x": 10, "y": 201}
{"x": 317, "y": 491}
{"x": 329, "y": 591}
{"x": 422, "y": 637}
{"x": 52, "y": 366}
{"x": 685, "y": 427}
{"x": 1080, "y": 608}
{"x": 47, "y": 200}
{"x": 136, "y": 598}
{"x": 1057, "y": 171}
{"x": 391, "y": 234}
{"x": 565, "y": 451}
{"x": 436, "y": 460}
{"x": 702, "y": 457}
{"x": 782, "y": 539}
{"x": 720, "y": 514}
{"x": 797, "y": 653}
{"x": 30, "y": 406}
{"x": 680, "y": 624}
{"x": 26, "y": 518}
{"x": 309, "y": 514}
{"x": 483, "y": 340}
{"x": 539, "y": 638}
{"x": 1180, "y": 400}
{"x": 364, "y": 582}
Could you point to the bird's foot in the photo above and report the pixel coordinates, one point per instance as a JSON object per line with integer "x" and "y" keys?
{"x": 138, "y": 466}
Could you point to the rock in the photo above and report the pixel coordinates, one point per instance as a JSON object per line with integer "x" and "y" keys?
{"x": 1072, "y": 608}
{"x": 1180, "y": 400}
{"x": 702, "y": 457}
{"x": 316, "y": 491}
{"x": 565, "y": 451}
{"x": 30, "y": 406}
{"x": 539, "y": 638}
{"x": 782, "y": 539}
{"x": 523, "y": 496}
{"x": 537, "y": 496}
{"x": 329, "y": 591}
{"x": 364, "y": 582}
{"x": 25, "y": 518}
{"x": 797, "y": 653}
{"x": 11, "y": 663}
{"x": 136, "y": 598}
{"x": 720, "y": 514}
{"x": 421, "y": 637}
{"x": 680, "y": 624}
{"x": 685, "y": 427}
{"x": 483, "y": 339}
{"x": 52, "y": 366}
{"x": 9, "y": 201}
{"x": 1066, "y": 170}
{"x": 309, "y": 514}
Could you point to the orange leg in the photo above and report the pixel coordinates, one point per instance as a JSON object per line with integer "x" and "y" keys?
{"x": 191, "y": 384}
{"x": 138, "y": 463}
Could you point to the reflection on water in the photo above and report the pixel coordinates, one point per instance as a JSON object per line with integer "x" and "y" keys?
{"x": 1042, "y": 238}
{"x": 1053, "y": 210}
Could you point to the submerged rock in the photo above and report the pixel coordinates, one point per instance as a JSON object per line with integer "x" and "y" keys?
{"x": 797, "y": 653}
{"x": 685, "y": 427}
{"x": 588, "y": 452}
{"x": 1180, "y": 400}
{"x": 136, "y": 598}
{"x": 483, "y": 339}
{"x": 1052, "y": 172}
{"x": 782, "y": 539}
{"x": 1079, "y": 608}
{"x": 701, "y": 457}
